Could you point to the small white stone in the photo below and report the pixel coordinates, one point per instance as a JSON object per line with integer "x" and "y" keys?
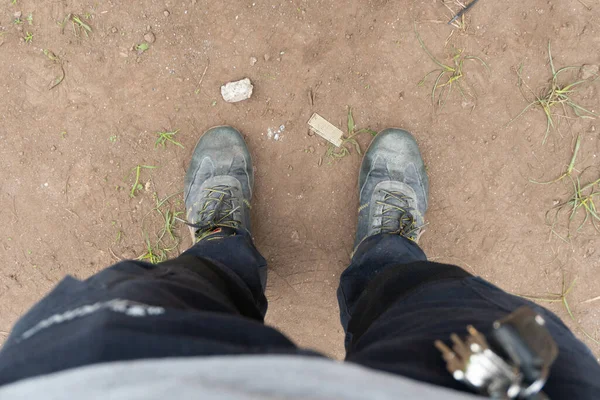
{"x": 233, "y": 92}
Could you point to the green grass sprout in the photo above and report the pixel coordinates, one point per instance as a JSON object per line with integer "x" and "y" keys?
{"x": 581, "y": 202}
{"x": 349, "y": 140}
{"x": 137, "y": 186}
{"x": 62, "y": 23}
{"x": 79, "y": 26}
{"x": 169, "y": 218}
{"x": 166, "y": 239}
{"x": 119, "y": 237}
{"x": 152, "y": 255}
{"x": 447, "y": 76}
{"x": 53, "y": 57}
{"x": 570, "y": 167}
{"x": 167, "y": 137}
{"x": 556, "y": 94}
{"x": 142, "y": 47}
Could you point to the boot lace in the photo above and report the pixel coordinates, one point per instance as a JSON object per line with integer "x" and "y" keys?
{"x": 397, "y": 216}
{"x": 218, "y": 210}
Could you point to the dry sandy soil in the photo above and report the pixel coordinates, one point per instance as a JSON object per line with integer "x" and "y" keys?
{"x": 68, "y": 152}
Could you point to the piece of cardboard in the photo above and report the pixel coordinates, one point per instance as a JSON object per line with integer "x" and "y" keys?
{"x": 325, "y": 129}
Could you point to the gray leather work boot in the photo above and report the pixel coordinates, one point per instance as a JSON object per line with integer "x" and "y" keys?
{"x": 218, "y": 183}
{"x": 393, "y": 187}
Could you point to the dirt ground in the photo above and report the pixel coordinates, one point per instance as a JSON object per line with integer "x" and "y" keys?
{"x": 68, "y": 152}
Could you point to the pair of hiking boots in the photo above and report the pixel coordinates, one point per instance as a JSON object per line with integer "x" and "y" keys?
{"x": 393, "y": 186}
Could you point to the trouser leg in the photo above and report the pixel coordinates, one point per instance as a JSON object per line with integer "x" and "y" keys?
{"x": 208, "y": 301}
{"x": 394, "y": 315}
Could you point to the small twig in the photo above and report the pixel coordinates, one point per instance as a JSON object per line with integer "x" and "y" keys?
{"x": 463, "y": 11}
{"x": 71, "y": 212}
{"x": 202, "y": 77}
{"x": 591, "y": 300}
{"x": 59, "y": 79}
{"x": 114, "y": 255}
{"x": 67, "y": 188}
{"x": 589, "y": 8}
{"x": 54, "y": 58}
{"x": 14, "y": 207}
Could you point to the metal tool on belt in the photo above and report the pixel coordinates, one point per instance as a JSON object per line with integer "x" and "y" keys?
{"x": 513, "y": 362}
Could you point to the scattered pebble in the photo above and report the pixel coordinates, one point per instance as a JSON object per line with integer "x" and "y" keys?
{"x": 114, "y": 30}
{"x": 21, "y": 153}
{"x": 167, "y": 13}
{"x": 53, "y": 148}
{"x": 18, "y": 14}
{"x": 276, "y": 133}
{"x": 253, "y": 61}
{"x": 267, "y": 57}
{"x": 149, "y": 37}
{"x": 493, "y": 137}
{"x": 234, "y": 92}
